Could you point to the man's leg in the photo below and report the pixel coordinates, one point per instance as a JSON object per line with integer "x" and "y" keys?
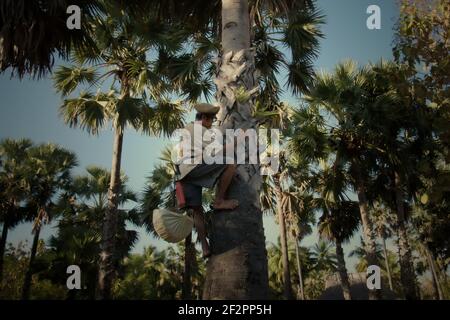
{"x": 224, "y": 183}
{"x": 199, "y": 222}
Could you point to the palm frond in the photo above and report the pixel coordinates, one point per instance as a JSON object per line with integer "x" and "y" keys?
{"x": 67, "y": 79}
{"x": 164, "y": 118}
{"x": 84, "y": 112}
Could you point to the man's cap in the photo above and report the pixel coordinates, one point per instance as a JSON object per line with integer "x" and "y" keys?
{"x": 206, "y": 108}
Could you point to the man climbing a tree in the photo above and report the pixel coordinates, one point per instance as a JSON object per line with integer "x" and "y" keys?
{"x": 194, "y": 173}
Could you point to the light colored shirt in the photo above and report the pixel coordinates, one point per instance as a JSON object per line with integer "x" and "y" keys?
{"x": 193, "y": 143}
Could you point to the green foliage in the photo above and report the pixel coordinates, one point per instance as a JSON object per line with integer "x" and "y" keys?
{"x": 315, "y": 284}
{"x": 276, "y": 268}
{"x": 156, "y": 275}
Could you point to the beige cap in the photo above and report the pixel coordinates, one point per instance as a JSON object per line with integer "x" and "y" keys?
{"x": 206, "y": 108}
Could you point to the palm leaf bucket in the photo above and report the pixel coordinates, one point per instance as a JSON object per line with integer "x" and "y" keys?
{"x": 172, "y": 226}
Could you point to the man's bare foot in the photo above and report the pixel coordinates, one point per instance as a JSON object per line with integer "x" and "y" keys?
{"x": 225, "y": 204}
{"x": 206, "y": 251}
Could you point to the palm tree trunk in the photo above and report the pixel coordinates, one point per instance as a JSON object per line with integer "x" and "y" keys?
{"x": 107, "y": 261}
{"x": 407, "y": 275}
{"x": 238, "y": 266}
{"x": 27, "y": 282}
{"x": 299, "y": 267}
{"x": 369, "y": 239}
{"x": 287, "y": 291}
{"x": 342, "y": 270}
{"x": 187, "y": 284}
{"x": 2, "y": 247}
{"x": 386, "y": 261}
{"x": 436, "y": 283}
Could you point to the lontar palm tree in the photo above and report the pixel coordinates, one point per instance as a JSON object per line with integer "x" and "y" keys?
{"x": 274, "y": 197}
{"x": 339, "y": 219}
{"x": 382, "y": 220}
{"x": 281, "y": 203}
{"x": 300, "y": 228}
{"x": 238, "y": 266}
{"x": 341, "y": 96}
{"x": 78, "y": 239}
{"x": 119, "y": 55}
{"x": 49, "y": 169}
{"x": 294, "y": 23}
{"x": 324, "y": 256}
{"x": 360, "y": 253}
{"x": 301, "y": 215}
{"x": 406, "y": 142}
{"x": 13, "y": 187}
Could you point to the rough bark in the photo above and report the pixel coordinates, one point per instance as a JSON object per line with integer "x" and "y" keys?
{"x": 367, "y": 228}
{"x": 287, "y": 290}
{"x": 386, "y": 261}
{"x": 407, "y": 275}
{"x": 237, "y": 268}
{"x": 107, "y": 261}
{"x": 2, "y": 247}
{"x": 28, "y": 276}
{"x": 299, "y": 268}
{"x": 188, "y": 256}
{"x": 342, "y": 270}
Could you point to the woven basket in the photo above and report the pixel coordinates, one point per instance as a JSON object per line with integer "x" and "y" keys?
{"x": 172, "y": 226}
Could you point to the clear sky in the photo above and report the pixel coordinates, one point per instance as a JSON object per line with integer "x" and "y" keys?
{"x": 29, "y": 108}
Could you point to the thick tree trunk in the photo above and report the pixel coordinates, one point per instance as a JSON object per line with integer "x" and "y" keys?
{"x": 188, "y": 256}
{"x": 436, "y": 283}
{"x": 386, "y": 261}
{"x": 237, "y": 268}
{"x": 107, "y": 261}
{"x": 407, "y": 275}
{"x": 299, "y": 268}
{"x": 342, "y": 270}
{"x": 28, "y": 276}
{"x": 2, "y": 248}
{"x": 367, "y": 229}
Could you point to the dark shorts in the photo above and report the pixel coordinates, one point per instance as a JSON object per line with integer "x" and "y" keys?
{"x": 202, "y": 176}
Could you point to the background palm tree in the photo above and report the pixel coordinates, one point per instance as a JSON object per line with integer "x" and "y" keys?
{"x": 119, "y": 54}
{"x": 324, "y": 256}
{"x": 80, "y": 228}
{"x": 340, "y": 96}
{"x": 14, "y": 188}
{"x": 359, "y": 252}
{"x": 275, "y": 196}
{"x": 339, "y": 218}
{"x": 49, "y": 170}
{"x": 301, "y": 226}
{"x": 405, "y": 143}
{"x": 382, "y": 218}
{"x": 276, "y": 267}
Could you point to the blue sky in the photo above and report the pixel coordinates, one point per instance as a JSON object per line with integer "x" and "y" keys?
{"x": 29, "y": 108}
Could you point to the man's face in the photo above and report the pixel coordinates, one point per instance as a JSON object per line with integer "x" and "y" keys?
{"x": 207, "y": 120}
